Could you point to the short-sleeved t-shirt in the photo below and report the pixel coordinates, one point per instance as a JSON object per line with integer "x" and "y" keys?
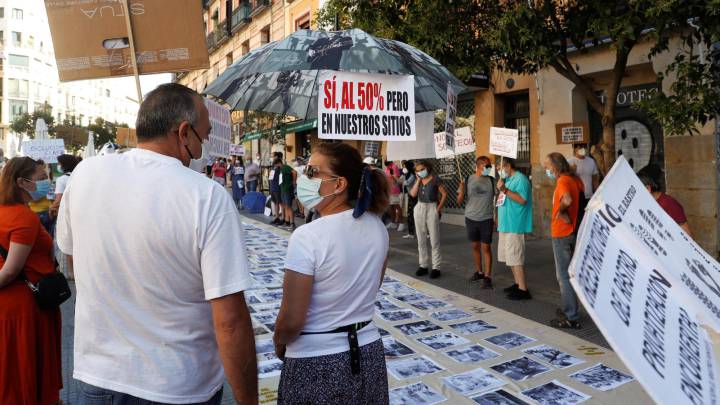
{"x": 61, "y": 183}
{"x": 393, "y": 172}
{"x": 252, "y": 171}
{"x": 275, "y": 179}
{"x": 673, "y": 208}
{"x": 219, "y": 170}
{"x": 147, "y": 263}
{"x": 18, "y": 224}
{"x": 585, "y": 169}
{"x": 480, "y": 198}
{"x": 345, "y": 256}
{"x": 574, "y": 186}
{"x": 514, "y": 217}
{"x": 286, "y": 186}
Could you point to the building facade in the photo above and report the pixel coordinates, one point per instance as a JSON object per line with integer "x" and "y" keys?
{"x": 29, "y": 79}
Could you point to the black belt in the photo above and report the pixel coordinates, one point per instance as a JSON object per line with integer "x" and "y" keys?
{"x": 352, "y": 340}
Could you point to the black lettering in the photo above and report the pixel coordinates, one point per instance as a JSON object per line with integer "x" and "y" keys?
{"x": 690, "y": 368}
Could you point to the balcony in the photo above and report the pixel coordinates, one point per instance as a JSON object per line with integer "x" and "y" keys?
{"x": 218, "y": 37}
{"x": 260, "y": 6}
{"x": 240, "y": 17}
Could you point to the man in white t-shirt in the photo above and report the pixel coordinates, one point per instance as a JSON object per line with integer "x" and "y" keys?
{"x": 586, "y": 168}
{"x": 160, "y": 267}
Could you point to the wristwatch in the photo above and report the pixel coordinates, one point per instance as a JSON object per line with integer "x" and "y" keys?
{"x": 504, "y": 189}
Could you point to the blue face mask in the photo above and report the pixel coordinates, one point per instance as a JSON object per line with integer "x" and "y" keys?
{"x": 550, "y": 174}
{"x": 486, "y": 171}
{"x": 42, "y": 188}
{"x": 422, "y": 173}
{"x": 308, "y": 191}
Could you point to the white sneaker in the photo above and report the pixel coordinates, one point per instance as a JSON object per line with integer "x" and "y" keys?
{"x": 408, "y": 236}
{"x": 390, "y": 225}
{"x": 401, "y": 228}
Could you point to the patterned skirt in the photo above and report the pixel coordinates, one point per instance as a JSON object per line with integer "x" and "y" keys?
{"x": 329, "y": 380}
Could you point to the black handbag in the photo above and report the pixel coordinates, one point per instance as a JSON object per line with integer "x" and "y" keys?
{"x": 50, "y": 291}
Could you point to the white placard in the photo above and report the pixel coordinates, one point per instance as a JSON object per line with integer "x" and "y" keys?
{"x": 367, "y": 107}
{"x": 464, "y": 143}
{"x": 450, "y": 113}
{"x": 219, "y": 145}
{"x": 237, "y": 150}
{"x": 652, "y": 291}
{"x": 504, "y": 142}
{"x": 46, "y": 149}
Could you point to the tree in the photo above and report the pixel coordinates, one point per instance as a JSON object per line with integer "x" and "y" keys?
{"x": 24, "y": 124}
{"x": 526, "y": 36}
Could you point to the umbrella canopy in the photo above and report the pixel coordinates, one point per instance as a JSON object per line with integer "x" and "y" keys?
{"x": 90, "y": 148}
{"x": 41, "y": 129}
{"x": 281, "y": 77}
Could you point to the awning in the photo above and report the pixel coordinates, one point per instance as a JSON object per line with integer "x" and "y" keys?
{"x": 251, "y": 136}
{"x": 299, "y": 126}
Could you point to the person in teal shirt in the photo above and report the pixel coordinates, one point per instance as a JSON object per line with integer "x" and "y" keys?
{"x": 514, "y": 221}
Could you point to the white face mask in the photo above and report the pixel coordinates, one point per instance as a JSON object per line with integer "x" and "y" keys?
{"x": 199, "y": 164}
{"x": 582, "y": 152}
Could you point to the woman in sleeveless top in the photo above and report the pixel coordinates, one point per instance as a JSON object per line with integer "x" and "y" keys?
{"x": 431, "y": 194}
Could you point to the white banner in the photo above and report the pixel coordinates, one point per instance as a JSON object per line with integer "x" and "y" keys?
{"x": 219, "y": 145}
{"x": 464, "y": 143}
{"x": 652, "y": 291}
{"x": 46, "y": 149}
{"x": 367, "y": 107}
{"x": 450, "y": 113}
{"x": 237, "y": 150}
{"x": 504, "y": 142}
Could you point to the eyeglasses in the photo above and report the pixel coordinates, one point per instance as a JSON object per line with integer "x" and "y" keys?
{"x": 202, "y": 140}
{"x": 313, "y": 171}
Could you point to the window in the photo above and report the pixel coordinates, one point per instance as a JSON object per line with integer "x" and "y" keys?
{"x": 31, "y": 41}
{"x": 17, "y": 14}
{"x": 303, "y": 23}
{"x": 107, "y": 92}
{"x": 17, "y": 38}
{"x": 18, "y": 60}
{"x": 228, "y": 59}
{"x": 246, "y": 47}
{"x": 17, "y": 108}
{"x": 265, "y": 35}
{"x": 2, "y": 37}
{"x": 2, "y": 12}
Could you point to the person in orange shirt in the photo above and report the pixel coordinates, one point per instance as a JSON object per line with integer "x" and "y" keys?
{"x": 566, "y": 199}
{"x": 30, "y": 357}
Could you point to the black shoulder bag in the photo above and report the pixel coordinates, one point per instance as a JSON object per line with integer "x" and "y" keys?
{"x": 50, "y": 291}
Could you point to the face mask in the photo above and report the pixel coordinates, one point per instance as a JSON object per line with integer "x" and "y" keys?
{"x": 199, "y": 164}
{"x": 42, "y": 188}
{"x": 550, "y": 174}
{"x": 405, "y": 170}
{"x": 308, "y": 191}
{"x": 503, "y": 174}
{"x": 422, "y": 173}
{"x": 582, "y": 152}
{"x": 486, "y": 171}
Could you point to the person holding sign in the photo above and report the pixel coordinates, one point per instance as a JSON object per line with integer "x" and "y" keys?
{"x": 478, "y": 192}
{"x": 431, "y": 195}
{"x": 514, "y": 221}
{"x": 565, "y": 208}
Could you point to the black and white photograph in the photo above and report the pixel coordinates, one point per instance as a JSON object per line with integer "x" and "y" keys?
{"x": 266, "y": 356}
{"x": 398, "y": 289}
{"x": 520, "y": 369}
{"x": 415, "y": 394}
{"x": 443, "y": 340}
{"x": 395, "y": 349}
{"x": 266, "y": 317}
{"x": 470, "y": 327}
{"x": 429, "y": 304}
{"x": 270, "y": 296}
{"x": 509, "y": 340}
{"x": 555, "y": 393}
{"x": 416, "y": 296}
{"x": 383, "y": 304}
{"x": 388, "y": 279}
{"x": 473, "y": 382}
{"x": 471, "y": 354}
{"x": 259, "y": 330}
{"x": 269, "y": 368}
{"x": 264, "y": 272}
{"x": 268, "y": 281}
{"x": 499, "y": 397}
{"x": 450, "y": 315}
{"x": 399, "y": 315}
{"x": 553, "y": 356}
{"x": 412, "y": 367}
{"x": 274, "y": 306}
{"x": 601, "y": 377}
{"x": 250, "y": 298}
{"x": 414, "y": 328}
{"x": 264, "y": 346}
{"x": 383, "y": 332}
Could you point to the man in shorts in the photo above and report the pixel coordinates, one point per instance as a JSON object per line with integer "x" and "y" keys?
{"x": 478, "y": 192}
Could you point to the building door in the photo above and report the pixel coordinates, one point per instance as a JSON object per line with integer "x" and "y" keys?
{"x": 517, "y": 116}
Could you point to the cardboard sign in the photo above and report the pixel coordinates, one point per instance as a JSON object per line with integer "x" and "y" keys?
{"x": 366, "y": 107}
{"x": 91, "y": 40}
{"x": 504, "y": 142}
{"x": 219, "y": 145}
{"x": 571, "y": 133}
{"x": 127, "y": 137}
{"x": 237, "y": 150}
{"x": 464, "y": 143}
{"x": 46, "y": 149}
{"x": 651, "y": 290}
{"x": 450, "y": 118}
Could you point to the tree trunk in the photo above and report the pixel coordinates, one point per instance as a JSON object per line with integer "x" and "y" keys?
{"x": 608, "y": 138}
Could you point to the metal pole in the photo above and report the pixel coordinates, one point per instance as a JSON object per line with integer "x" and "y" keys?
{"x": 133, "y": 56}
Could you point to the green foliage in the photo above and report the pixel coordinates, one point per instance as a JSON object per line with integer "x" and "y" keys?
{"x": 25, "y": 124}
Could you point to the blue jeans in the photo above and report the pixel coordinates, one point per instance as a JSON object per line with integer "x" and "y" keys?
{"x": 251, "y": 185}
{"x": 563, "y": 250}
{"x": 91, "y": 395}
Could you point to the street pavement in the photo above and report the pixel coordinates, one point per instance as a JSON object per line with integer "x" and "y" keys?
{"x": 457, "y": 268}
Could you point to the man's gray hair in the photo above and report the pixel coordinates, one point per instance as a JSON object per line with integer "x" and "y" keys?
{"x": 165, "y": 108}
{"x": 559, "y": 162}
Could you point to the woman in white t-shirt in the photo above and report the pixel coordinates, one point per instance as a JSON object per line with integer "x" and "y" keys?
{"x": 333, "y": 352}
{"x": 66, "y": 164}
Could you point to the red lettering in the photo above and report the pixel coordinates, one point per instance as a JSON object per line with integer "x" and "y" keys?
{"x": 328, "y": 101}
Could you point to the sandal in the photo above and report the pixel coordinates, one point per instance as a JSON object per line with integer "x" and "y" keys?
{"x": 565, "y": 324}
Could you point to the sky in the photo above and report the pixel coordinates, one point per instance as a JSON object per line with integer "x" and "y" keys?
{"x": 126, "y": 85}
